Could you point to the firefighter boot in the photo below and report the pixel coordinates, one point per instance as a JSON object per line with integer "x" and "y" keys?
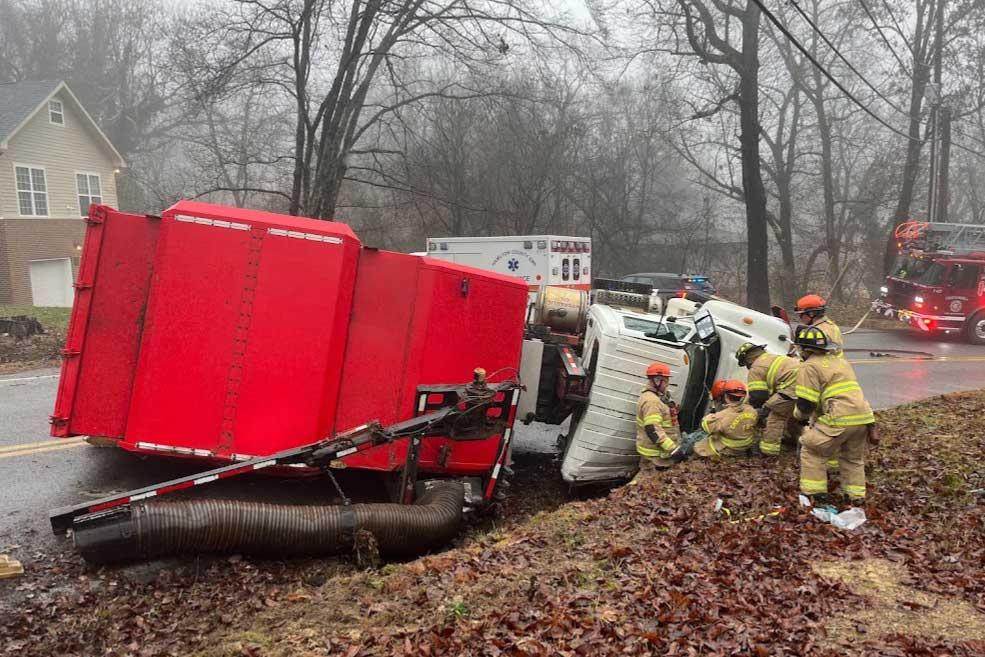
{"x": 856, "y": 502}
{"x": 820, "y": 500}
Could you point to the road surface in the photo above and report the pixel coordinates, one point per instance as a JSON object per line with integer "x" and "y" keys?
{"x": 38, "y": 474}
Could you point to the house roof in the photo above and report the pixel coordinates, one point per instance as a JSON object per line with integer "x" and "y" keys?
{"x": 19, "y": 101}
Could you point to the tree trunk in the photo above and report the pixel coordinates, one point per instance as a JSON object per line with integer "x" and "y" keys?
{"x": 831, "y": 237}
{"x": 757, "y": 253}
{"x": 921, "y": 75}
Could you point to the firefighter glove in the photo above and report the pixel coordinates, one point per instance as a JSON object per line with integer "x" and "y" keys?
{"x": 761, "y": 414}
{"x": 874, "y": 437}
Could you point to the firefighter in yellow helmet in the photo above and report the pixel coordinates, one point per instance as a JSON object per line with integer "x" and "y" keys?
{"x": 830, "y": 401}
{"x": 812, "y": 309}
{"x": 772, "y": 383}
{"x": 731, "y": 429}
{"x": 657, "y": 431}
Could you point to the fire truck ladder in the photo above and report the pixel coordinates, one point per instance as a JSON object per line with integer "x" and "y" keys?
{"x": 956, "y": 238}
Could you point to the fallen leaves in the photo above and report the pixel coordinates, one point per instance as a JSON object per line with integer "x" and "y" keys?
{"x": 648, "y": 569}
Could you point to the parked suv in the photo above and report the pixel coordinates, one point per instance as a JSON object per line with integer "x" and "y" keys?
{"x": 668, "y": 285}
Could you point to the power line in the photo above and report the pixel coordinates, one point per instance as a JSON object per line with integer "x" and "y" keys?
{"x": 854, "y": 70}
{"x": 885, "y": 39}
{"x": 831, "y": 78}
{"x": 786, "y": 33}
{"x": 973, "y": 138}
{"x": 899, "y": 30}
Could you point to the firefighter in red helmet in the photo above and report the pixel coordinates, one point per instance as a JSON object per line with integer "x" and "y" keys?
{"x": 657, "y": 432}
{"x": 731, "y": 429}
{"x": 812, "y": 308}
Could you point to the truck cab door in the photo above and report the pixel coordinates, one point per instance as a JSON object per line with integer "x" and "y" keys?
{"x": 964, "y": 286}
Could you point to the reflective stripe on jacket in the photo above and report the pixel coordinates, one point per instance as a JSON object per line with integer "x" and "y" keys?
{"x": 829, "y": 381}
{"x": 832, "y": 331}
{"x": 734, "y": 426}
{"x": 773, "y": 374}
{"x": 652, "y": 410}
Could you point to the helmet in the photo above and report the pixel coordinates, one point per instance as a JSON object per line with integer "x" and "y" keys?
{"x": 745, "y": 351}
{"x": 811, "y": 304}
{"x": 658, "y": 369}
{"x": 727, "y": 387}
{"x": 811, "y": 337}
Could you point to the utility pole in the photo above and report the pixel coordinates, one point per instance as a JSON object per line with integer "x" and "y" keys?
{"x": 942, "y": 195}
{"x": 935, "y": 117}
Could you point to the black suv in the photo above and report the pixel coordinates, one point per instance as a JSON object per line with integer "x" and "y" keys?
{"x": 667, "y": 285}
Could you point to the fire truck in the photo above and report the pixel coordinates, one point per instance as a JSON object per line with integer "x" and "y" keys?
{"x": 251, "y": 341}
{"x": 937, "y": 283}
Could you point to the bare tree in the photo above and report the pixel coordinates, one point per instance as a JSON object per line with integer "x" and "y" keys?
{"x": 371, "y": 51}
{"x": 710, "y": 29}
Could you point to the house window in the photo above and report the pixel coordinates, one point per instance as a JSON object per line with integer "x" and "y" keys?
{"x": 32, "y": 192}
{"x": 56, "y": 113}
{"x": 89, "y": 191}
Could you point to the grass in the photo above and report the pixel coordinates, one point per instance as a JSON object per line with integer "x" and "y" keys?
{"x": 39, "y": 350}
{"x": 52, "y": 319}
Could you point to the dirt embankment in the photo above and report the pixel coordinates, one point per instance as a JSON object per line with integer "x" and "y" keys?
{"x": 650, "y": 569}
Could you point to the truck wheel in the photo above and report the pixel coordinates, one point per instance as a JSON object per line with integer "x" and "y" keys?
{"x": 976, "y": 328}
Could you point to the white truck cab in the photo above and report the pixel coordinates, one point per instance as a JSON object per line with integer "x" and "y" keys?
{"x": 697, "y": 342}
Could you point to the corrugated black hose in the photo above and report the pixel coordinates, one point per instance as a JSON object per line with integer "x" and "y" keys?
{"x": 156, "y": 529}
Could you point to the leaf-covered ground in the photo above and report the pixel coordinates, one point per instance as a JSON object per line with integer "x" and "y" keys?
{"x": 36, "y": 351}
{"x": 650, "y": 569}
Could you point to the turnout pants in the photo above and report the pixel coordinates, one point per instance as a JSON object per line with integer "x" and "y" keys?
{"x": 848, "y": 446}
{"x": 781, "y": 410}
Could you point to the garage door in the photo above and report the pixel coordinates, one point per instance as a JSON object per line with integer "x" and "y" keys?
{"x": 51, "y": 282}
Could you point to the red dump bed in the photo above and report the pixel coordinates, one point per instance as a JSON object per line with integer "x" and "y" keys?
{"x": 221, "y": 333}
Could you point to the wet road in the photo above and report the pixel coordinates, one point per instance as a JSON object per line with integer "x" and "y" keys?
{"x": 37, "y": 475}
{"x": 899, "y": 378}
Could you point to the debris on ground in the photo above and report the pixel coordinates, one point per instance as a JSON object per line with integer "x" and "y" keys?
{"x": 20, "y": 327}
{"x": 9, "y": 567}
{"x": 31, "y": 338}
{"x": 649, "y": 569}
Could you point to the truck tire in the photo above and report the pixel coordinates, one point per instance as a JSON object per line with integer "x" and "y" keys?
{"x": 975, "y": 329}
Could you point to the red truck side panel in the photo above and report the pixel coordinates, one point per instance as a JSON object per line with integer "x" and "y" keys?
{"x": 219, "y": 332}
{"x": 420, "y": 321}
{"x": 244, "y": 332}
{"x": 104, "y": 333}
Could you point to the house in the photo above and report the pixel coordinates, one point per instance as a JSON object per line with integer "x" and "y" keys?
{"x": 54, "y": 162}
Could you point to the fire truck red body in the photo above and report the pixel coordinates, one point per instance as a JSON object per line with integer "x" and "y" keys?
{"x": 937, "y": 283}
{"x": 224, "y": 334}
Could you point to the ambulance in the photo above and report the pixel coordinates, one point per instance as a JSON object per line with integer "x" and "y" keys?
{"x": 540, "y": 260}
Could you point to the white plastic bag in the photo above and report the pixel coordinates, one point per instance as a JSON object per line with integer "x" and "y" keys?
{"x": 851, "y": 519}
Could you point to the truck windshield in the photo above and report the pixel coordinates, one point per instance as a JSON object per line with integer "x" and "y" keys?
{"x": 934, "y": 275}
{"x": 665, "y": 331}
{"x": 911, "y": 267}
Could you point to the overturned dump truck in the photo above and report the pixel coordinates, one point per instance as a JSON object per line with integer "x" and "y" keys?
{"x": 256, "y": 341}
{"x": 252, "y": 340}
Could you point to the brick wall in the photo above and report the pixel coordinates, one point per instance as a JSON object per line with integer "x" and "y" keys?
{"x": 23, "y": 240}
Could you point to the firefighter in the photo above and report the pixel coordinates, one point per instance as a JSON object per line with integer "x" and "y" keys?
{"x": 838, "y": 419}
{"x": 731, "y": 429}
{"x": 772, "y": 383}
{"x": 657, "y": 432}
{"x": 812, "y": 308}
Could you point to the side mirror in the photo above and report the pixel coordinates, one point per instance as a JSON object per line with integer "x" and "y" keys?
{"x": 779, "y": 311}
